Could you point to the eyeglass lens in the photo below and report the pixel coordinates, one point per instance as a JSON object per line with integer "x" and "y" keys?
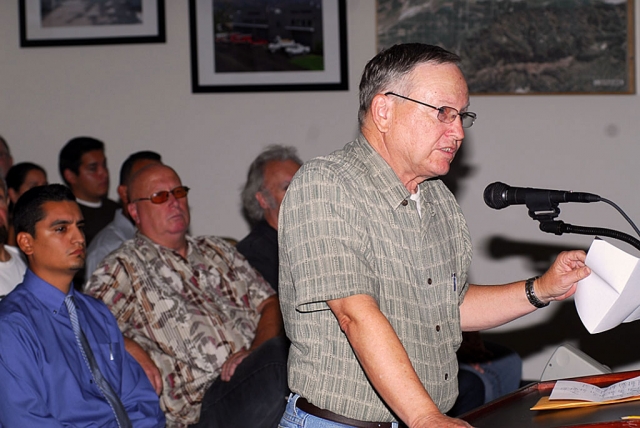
{"x": 161, "y": 197}
{"x": 449, "y": 114}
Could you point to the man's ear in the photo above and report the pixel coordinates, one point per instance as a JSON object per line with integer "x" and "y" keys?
{"x": 122, "y": 193}
{"x": 262, "y": 201}
{"x": 69, "y": 176}
{"x": 381, "y": 111}
{"x": 133, "y": 213}
{"x": 25, "y": 242}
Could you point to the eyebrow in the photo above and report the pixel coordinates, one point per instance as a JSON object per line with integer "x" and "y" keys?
{"x": 66, "y": 222}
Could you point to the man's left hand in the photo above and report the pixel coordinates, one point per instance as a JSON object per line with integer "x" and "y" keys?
{"x": 561, "y": 280}
{"x": 234, "y": 360}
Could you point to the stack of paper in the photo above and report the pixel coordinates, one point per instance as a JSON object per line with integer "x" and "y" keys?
{"x": 568, "y": 394}
{"x": 611, "y": 294}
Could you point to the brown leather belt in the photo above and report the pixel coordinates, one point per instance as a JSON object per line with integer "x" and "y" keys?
{"x": 304, "y": 405}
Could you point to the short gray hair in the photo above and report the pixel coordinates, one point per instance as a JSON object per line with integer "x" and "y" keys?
{"x": 255, "y": 177}
{"x": 391, "y": 67}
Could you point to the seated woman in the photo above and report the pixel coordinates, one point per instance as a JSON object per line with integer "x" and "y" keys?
{"x": 20, "y": 178}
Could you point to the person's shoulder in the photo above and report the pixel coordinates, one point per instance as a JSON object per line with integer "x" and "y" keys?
{"x": 247, "y": 242}
{"x": 342, "y": 164}
{"x": 126, "y": 251}
{"x": 16, "y": 255}
{"x": 109, "y": 238}
{"x": 213, "y": 242}
{"x": 16, "y": 307}
{"x": 13, "y": 250}
{"x": 257, "y": 236}
{"x": 109, "y": 205}
{"x": 97, "y": 306}
{"x": 436, "y": 189}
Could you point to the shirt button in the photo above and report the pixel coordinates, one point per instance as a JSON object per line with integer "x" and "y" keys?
{"x": 429, "y": 281}
{"x": 404, "y": 203}
{"x": 446, "y": 376}
{"x": 437, "y": 328}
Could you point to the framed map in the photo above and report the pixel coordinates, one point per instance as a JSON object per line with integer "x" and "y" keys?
{"x": 523, "y": 47}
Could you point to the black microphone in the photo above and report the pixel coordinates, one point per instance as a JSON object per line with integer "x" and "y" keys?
{"x": 499, "y": 195}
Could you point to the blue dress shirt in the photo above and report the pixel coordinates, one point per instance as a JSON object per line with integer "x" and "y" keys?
{"x": 44, "y": 380}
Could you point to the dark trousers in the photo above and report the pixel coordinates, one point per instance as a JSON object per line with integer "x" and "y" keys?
{"x": 470, "y": 393}
{"x": 256, "y": 395}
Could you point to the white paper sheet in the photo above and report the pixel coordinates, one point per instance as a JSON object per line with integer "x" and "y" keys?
{"x": 571, "y": 390}
{"x": 611, "y": 294}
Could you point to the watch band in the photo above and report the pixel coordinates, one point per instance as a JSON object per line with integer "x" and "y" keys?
{"x": 531, "y": 295}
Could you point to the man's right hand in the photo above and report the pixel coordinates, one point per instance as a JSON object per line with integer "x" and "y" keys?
{"x": 145, "y": 361}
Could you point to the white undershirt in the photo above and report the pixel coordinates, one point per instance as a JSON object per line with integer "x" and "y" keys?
{"x": 11, "y": 271}
{"x": 89, "y": 204}
{"x": 416, "y": 198}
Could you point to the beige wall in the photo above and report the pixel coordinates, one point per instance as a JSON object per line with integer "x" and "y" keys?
{"x": 138, "y": 97}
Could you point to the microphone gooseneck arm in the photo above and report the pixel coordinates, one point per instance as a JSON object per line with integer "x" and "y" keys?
{"x": 559, "y": 227}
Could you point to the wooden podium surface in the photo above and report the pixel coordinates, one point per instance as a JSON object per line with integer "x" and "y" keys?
{"x": 512, "y": 411}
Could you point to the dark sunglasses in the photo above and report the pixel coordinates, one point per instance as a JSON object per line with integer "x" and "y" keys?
{"x": 163, "y": 196}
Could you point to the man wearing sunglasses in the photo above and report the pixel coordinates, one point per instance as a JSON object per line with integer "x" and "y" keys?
{"x": 374, "y": 255}
{"x": 208, "y": 321}
{"x": 122, "y": 227}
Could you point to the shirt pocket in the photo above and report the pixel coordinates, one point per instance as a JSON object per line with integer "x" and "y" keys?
{"x": 109, "y": 343}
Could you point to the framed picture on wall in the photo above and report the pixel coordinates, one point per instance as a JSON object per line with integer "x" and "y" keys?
{"x": 90, "y": 22}
{"x": 524, "y": 47}
{"x": 268, "y": 45}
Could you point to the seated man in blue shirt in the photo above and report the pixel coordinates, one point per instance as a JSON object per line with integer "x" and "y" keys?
{"x": 62, "y": 356}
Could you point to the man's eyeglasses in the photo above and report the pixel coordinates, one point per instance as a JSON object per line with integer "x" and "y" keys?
{"x": 163, "y": 196}
{"x": 445, "y": 114}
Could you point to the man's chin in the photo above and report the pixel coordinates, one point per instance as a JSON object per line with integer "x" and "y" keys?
{"x": 78, "y": 265}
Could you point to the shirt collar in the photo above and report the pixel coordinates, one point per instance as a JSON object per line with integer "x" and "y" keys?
{"x": 89, "y": 204}
{"x": 163, "y": 251}
{"x": 388, "y": 182}
{"x": 51, "y": 297}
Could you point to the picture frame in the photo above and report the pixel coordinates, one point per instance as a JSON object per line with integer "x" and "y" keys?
{"x": 268, "y": 45}
{"x": 85, "y": 22}
{"x": 515, "y": 47}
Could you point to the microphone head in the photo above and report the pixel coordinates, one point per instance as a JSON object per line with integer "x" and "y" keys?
{"x": 495, "y": 195}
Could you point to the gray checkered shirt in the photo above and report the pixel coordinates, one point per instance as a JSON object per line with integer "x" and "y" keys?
{"x": 347, "y": 227}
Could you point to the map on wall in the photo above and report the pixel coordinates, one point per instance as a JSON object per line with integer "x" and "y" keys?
{"x": 523, "y": 46}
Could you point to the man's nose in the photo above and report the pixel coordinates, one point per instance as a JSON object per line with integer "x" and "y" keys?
{"x": 78, "y": 235}
{"x": 458, "y": 130}
{"x": 172, "y": 200}
{"x": 103, "y": 171}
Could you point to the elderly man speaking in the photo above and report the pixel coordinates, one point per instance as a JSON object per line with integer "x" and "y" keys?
{"x": 374, "y": 254}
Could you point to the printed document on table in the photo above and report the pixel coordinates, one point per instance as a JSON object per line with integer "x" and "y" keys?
{"x": 611, "y": 294}
{"x": 567, "y": 394}
{"x": 571, "y": 390}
